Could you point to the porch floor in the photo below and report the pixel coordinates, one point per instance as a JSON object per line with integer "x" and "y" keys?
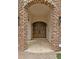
{"x": 39, "y": 49}
{"x": 38, "y": 46}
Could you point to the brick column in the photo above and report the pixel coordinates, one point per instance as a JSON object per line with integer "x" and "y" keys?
{"x": 55, "y": 29}
{"x": 22, "y": 29}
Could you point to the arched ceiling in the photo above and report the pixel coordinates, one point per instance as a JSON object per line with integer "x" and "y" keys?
{"x": 39, "y": 9}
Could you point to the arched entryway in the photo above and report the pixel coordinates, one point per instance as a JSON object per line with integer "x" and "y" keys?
{"x": 30, "y": 12}
{"x": 44, "y": 11}
{"x": 39, "y": 30}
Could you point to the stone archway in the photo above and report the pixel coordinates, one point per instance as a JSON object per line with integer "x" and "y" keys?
{"x": 39, "y": 30}
{"x": 23, "y": 28}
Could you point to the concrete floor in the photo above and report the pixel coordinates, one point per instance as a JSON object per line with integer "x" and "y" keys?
{"x": 39, "y": 49}
{"x": 39, "y": 46}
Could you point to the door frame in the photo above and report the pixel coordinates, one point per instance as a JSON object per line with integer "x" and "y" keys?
{"x": 45, "y": 29}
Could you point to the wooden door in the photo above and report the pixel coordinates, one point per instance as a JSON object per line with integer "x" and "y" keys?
{"x": 39, "y": 30}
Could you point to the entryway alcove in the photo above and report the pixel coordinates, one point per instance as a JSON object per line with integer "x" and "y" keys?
{"x": 39, "y": 23}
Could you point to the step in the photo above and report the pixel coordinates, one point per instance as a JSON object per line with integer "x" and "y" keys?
{"x": 41, "y": 55}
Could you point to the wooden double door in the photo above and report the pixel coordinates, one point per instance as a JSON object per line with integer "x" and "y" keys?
{"x": 39, "y": 30}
